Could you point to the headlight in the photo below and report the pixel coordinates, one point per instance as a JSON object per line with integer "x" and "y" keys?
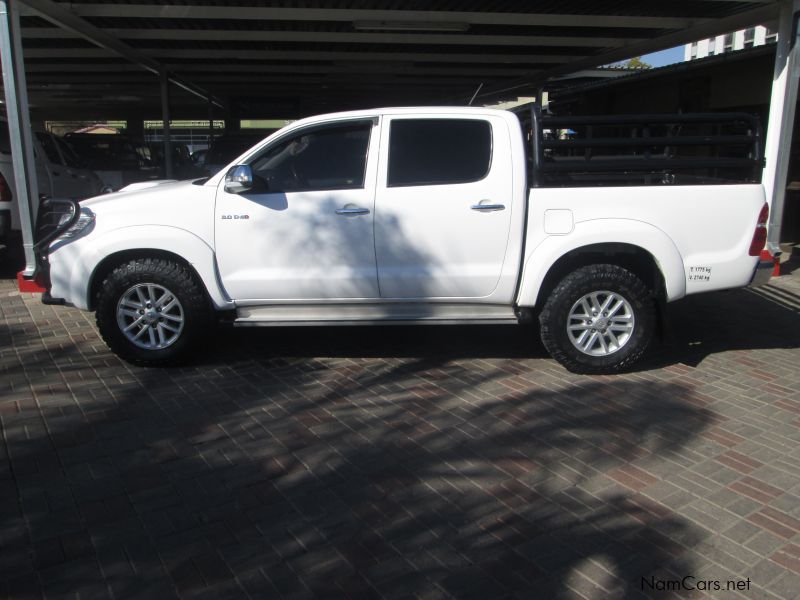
{"x": 85, "y": 219}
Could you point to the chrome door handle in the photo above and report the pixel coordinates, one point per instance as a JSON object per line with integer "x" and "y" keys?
{"x": 488, "y": 207}
{"x": 352, "y": 211}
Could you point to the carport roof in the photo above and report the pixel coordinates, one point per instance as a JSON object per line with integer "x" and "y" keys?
{"x": 293, "y": 58}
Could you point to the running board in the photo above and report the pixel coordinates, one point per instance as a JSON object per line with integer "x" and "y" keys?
{"x": 373, "y": 314}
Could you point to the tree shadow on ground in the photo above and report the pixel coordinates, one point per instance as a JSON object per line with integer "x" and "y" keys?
{"x": 406, "y": 341}
{"x": 358, "y": 478}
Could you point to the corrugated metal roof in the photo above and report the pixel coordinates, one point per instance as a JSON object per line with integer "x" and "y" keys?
{"x": 353, "y": 53}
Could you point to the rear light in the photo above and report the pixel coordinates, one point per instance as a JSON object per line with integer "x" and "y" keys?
{"x": 760, "y": 234}
{"x": 5, "y": 190}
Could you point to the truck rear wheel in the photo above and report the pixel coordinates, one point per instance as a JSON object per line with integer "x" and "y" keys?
{"x": 151, "y": 311}
{"x": 598, "y": 319}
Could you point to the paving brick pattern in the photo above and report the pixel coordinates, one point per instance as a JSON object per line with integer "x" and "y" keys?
{"x": 402, "y": 462}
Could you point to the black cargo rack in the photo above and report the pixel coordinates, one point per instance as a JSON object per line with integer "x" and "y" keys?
{"x": 642, "y": 149}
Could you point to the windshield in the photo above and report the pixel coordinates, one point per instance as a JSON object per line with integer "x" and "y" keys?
{"x": 224, "y": 149}
{"x": 106, "y": 153}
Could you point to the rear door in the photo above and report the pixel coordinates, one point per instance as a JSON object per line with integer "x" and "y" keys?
{"x": 443, "y": 207}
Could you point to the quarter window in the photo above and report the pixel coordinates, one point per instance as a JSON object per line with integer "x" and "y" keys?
{"x": 323, "y": 158}
{"x": 438, "y": 151}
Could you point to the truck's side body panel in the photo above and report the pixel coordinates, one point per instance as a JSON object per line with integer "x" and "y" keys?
{"x": 699, "y": 236}
{"x": 422, "y": 243}
{"x": 179, "y": 221}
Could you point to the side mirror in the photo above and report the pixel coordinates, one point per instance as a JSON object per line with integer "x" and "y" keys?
{"x": 239, "y": 179}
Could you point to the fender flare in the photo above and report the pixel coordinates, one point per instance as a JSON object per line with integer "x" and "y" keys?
{"x": 540, "y": 259}
{"x": 180, "y": 242}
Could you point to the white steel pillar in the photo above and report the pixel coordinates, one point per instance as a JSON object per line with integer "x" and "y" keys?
{"x": 26, "y": 188}
{"x": 781, "y": 119}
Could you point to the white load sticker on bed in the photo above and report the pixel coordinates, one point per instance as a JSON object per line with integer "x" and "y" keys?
{"x": 702, "y": 274}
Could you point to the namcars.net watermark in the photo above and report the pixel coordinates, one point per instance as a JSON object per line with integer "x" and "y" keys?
{"x": 690, "y": 583}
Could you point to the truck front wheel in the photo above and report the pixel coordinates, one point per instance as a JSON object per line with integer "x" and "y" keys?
{"x": 598, "y": 319}
{"x": 151, "y": 311}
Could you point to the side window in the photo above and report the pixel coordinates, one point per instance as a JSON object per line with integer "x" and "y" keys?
{"x": 332, "y": 157}
{"x": 50, "y": 148}
{"x": 438, "y": 151}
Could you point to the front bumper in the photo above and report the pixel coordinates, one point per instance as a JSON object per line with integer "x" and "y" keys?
{"x": 47, "y": 229}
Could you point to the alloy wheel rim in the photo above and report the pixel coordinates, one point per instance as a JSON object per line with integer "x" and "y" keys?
{"x": 600, "y": 323}
{"x": 150, "y": 316}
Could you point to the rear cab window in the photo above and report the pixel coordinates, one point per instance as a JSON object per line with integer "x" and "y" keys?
{"x": 432, "y": 151}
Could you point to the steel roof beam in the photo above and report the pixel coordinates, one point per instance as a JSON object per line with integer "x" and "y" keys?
{"x": 248, "y": 70}
{"x": 69, "y": 22}
{"x": 247, "y": 13}
{"x": 345, "y": 37}
{"x": 200, "y": 53}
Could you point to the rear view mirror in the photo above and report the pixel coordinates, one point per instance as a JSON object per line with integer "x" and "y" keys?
{"x": 239, "y": 179}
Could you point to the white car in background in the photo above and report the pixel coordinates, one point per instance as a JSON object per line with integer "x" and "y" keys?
{"x": 59, "y": 172}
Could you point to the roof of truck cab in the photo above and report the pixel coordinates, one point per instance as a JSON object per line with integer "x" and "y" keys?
{"x": 400, "y": 110}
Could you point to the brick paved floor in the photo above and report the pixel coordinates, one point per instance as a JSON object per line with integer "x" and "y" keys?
{"x": 401, "y": 462}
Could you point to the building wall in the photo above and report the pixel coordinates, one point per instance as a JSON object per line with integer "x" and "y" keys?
{"x": 730, "y": 83}
{"x": 737, "y": 40}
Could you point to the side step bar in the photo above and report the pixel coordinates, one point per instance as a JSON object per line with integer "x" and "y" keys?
{"x": 373, "y": 314}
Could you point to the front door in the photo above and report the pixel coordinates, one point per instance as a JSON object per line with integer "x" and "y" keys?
{"x": 443, "y": 208}
{"x": 305, "y": 231}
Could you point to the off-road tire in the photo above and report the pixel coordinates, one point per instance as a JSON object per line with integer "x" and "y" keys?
{"x": 180, "y": 281}
{"x": 553, "y": 318}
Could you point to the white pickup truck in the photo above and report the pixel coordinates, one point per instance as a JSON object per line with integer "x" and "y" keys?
{"x": 427, "y": 215}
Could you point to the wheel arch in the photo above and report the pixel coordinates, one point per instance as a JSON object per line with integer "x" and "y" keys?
{"x": 111, "y": 262}
{"x": 635, "y": 259}
{"x": 639, "y": 247}
{"x": 122, "y": 245}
